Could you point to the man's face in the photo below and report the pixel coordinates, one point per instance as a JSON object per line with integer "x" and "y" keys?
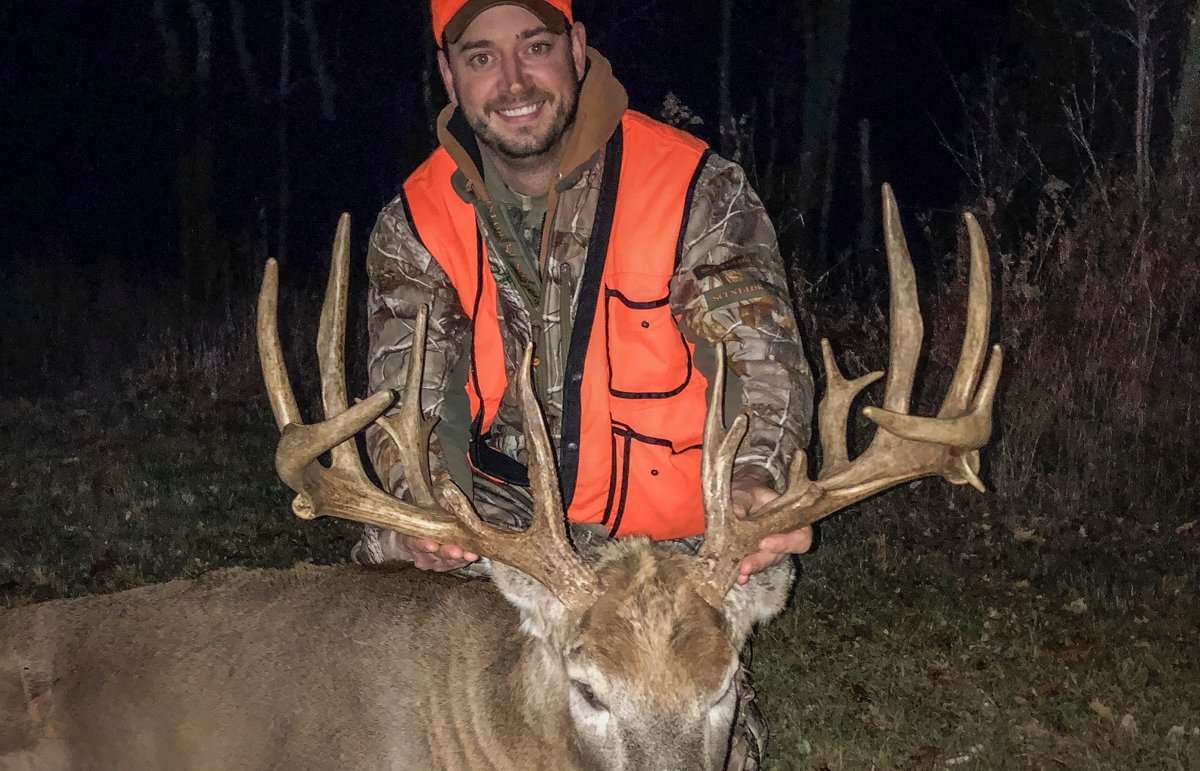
{"x": 516, "y": 82}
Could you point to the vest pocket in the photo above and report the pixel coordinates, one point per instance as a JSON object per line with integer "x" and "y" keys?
{"x": 648, "y": 357}
{"x": 655, "y": 488}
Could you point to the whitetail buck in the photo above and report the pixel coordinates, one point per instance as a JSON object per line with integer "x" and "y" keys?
{"x": 623, "y": 658}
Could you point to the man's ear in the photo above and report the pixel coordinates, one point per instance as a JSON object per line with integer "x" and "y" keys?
{"x": 447, "y": 76}
{"x": 579, "y": 48}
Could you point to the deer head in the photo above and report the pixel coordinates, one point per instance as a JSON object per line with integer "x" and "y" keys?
{"x": 631, "y": 648}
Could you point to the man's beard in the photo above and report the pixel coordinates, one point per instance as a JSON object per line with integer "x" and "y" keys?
{"x": 527, "y": 146}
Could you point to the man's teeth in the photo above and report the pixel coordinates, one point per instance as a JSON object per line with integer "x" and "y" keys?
{"x": 517, "y": 112}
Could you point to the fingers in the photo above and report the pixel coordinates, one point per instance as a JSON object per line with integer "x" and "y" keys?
{"x": 756, "y": 563}
{"x": 794, "y": 542}
{"x": 774, "y": 549}
{"x": 440, "y": 557}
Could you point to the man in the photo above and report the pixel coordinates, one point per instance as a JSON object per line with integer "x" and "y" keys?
{"x": 622, "y": 249}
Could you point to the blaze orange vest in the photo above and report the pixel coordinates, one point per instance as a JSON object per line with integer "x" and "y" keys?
{"x": 633, "y": 402}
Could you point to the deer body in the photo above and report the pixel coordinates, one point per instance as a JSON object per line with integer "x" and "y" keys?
{"x": 249, "y": 669}
{"x": 346, "y": 667}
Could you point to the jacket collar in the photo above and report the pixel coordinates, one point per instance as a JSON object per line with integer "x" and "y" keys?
{"x": 602, "y": 102}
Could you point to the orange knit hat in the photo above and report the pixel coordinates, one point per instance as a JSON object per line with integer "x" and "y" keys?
{"x": 451, "y": 17}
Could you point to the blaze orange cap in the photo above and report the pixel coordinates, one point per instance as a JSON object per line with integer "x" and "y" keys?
{"x": 452, "y": 17}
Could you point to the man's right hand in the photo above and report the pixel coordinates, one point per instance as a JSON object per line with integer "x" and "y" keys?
{"x": 424, "y": 553}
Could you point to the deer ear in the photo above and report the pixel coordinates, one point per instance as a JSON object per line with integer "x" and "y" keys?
{"x": 761, "y": 599}
{"x": 541, "y": 612}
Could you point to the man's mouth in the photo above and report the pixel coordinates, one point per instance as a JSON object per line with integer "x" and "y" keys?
{"x": 521, "y": 111}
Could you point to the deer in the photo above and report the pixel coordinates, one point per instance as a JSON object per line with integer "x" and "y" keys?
{"x": 618, "y": 655}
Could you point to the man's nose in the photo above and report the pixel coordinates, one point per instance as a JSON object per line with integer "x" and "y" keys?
{"x": 514, "y": 75}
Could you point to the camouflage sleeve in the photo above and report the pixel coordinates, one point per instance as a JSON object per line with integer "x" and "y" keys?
{"x": 730, "y": 286}
{"x": 404, "y": 276}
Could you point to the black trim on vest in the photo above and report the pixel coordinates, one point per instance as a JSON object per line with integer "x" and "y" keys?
{"x": 612, "y": 478}
{"x": 687, "y": 206}
{"x": 640, "y": 305}
{"x": 589, "y": 294}
{"x": 616, "y": 525}
{"x": 485, "y": 458}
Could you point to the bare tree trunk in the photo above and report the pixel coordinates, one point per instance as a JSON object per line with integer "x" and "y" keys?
{"x": 826, "y": 36}
{"x": 237, "y": 23}
{"x": 172, "y": 57}
{"x": 316, "y": 59}
{"x": 281, "y": 130}
{"x": 866, "y": 225}
{"x": 1145, "y": 45}
{"x": 1186, "y": 128}
{"x": 727, "y": 125}
{"x": 827, "y": 194}
{"x": 768, "y": 175}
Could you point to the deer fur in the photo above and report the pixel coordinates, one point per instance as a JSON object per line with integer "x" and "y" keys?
{"x": 382, "y": 668}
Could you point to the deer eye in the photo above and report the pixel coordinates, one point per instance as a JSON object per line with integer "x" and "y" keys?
{"x": 588, "y": 695}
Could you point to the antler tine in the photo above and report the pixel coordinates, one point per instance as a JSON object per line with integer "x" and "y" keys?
{"x": 833, "y": 415}
{"x": 300, "y": 444}
{"x": 270, "y": 351}
{"x": 716, "y": 470}
{"x": 543, "y": 551}
{"x": 565, "y": 572}
{"x": 410, "y": 429}
{"x": 905, "y": 447}
{"x": 979, "y": 312}
{"x": 906, "y": 329}
{"x": 331, "y": 343}
{"x": 965, "y": 418}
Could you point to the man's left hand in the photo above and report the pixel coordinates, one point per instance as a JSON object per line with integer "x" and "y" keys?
{"x": 749, "y": 497}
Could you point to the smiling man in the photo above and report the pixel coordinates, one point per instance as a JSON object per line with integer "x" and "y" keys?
{"x": 623, "y": 250}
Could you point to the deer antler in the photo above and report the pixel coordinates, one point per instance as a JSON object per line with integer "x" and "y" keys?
{"x": 905, "y": 447}
{"x": 343, "y": 490}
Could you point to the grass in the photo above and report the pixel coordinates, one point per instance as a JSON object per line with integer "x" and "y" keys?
{"x": 940, "y": 651}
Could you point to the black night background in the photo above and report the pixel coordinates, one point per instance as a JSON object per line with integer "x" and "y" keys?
{"x": 156, "y": 152}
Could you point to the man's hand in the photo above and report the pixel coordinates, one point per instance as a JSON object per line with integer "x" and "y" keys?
{"x": 749, "y": 496}
{"x": 424, "y": 553}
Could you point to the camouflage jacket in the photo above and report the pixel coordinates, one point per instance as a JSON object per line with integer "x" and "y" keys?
{"x": 729, "y": 286}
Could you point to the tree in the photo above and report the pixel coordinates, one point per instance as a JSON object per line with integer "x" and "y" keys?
{"x": 1187, "y": 99}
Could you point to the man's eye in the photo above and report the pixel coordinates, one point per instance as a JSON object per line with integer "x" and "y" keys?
{"x": 539, "y": 49}
{"x": 479, "y": 60}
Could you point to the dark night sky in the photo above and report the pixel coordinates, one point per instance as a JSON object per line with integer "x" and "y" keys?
{"x": 90, "y": 135}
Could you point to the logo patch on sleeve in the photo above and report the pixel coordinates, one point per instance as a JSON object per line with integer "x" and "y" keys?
{"x": 737, "y": 293}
